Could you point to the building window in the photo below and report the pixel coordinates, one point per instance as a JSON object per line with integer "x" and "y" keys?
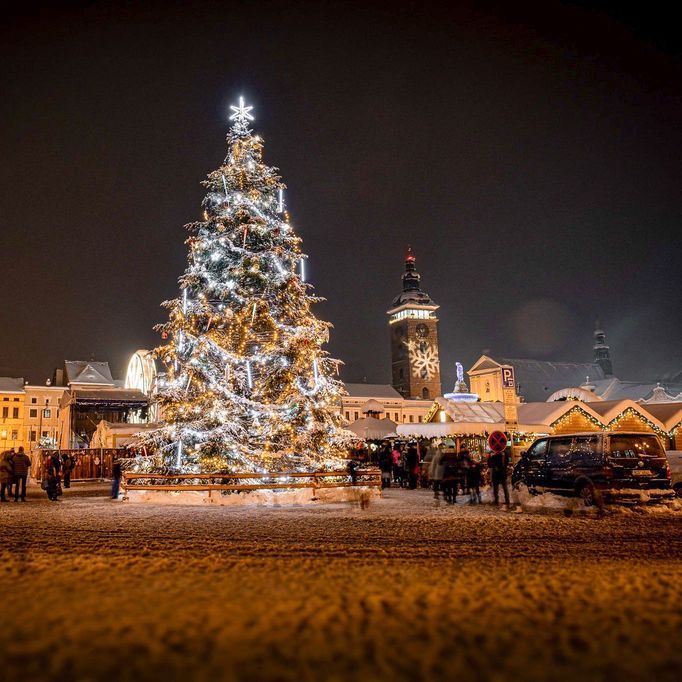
{"x": 396, "y": 416}
{"x": 33, "y": 414}
{"x": 47, "y": 401}
{"x": 347, "y": 415}
{"x": 6, "y": 400}
{"x": 425, "y": 393}
{"x": 411, "y": 418}
{"x": 15, "y": 435}
{"x": 46, "y": 434}
{"x": 356, "y": 415}
{"x": 16, "y": 400}
{"x": 401, "y": 373}
{"x": 15, "y": 413}
{"x": 32, "y": 436}
{"x": 47, "y": 413}
{"x": 5, "y": 412}
{"x": 34, "y": 401}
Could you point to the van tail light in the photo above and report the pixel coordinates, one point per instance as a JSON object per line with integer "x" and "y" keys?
{"x": 668, "y": 474}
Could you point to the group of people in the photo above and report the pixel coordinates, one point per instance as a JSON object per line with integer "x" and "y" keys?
{"x": 450, "y": 471}
{"x": 15, "y": 467}
{"x": 399, "y": 463}
{"x": 445, "y": 469}
{"x": 56, "y": 470}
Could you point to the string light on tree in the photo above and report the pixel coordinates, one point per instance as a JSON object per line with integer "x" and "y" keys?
{"x": 249, "y": 387}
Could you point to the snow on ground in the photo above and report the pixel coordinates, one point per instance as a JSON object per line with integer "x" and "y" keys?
{"x": 410, "y": 588}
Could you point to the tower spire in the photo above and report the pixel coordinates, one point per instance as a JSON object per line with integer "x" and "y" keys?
{"x": 602, "y": 351}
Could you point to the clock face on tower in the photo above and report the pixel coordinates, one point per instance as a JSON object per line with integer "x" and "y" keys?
{"x": 422, "y": 330}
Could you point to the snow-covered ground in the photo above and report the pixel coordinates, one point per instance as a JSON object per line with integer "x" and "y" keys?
{"x": 409, "y": 588}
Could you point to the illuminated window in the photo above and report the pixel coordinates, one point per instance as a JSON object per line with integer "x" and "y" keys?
{"x": 47, "y": 413}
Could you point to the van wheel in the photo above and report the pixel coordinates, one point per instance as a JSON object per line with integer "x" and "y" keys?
{"x": 678, "y": 489}
{"x": 588, "y": 494}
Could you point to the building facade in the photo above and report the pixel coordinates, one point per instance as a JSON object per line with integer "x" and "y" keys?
{"x": 11, "y": 413}
{"x": 395, "y": 407}
{"x": 41, "y": 415}
{"x": 415, "y": 360}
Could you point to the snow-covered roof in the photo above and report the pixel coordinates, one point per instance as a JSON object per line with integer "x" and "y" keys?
{"x": 416, "y": 297}
{"x": 536, "y": 380}
{"x": 617, "y": 389}
{"x": 548, "y": 412}
{"x": 483, "y": 413}
{"x": 372, "y": 406}
{"x": 608, "y": 410}
{"x": 574, "y": 393}
{"x": 372, "y": 428}
{"x": 372, "y": 391}
{"x": 669, "y": 414}
{"x": 88, "y": 372}
{"x": 11, "y": 385}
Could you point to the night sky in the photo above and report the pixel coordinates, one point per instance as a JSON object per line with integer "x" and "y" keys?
{"x": 532, "y": 157}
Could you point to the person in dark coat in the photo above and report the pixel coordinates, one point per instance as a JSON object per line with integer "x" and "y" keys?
{"x": 412, "y": 464}
{"x": 21, "y": 463}
{"x": 117, "y": 473}
{"x": 51, "y": 483}
{"x": 56, "y": 463}
{"x": 498, "y": 474}
{"x": 452, "y": 477}
{"x": 67, "y": 467}
{"x": 352, "y": 472}
{"x": 385, "y": 465}
{"x": 6, "y": 474}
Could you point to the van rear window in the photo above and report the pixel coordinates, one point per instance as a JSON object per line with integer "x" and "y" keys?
{"x": 636, "y": 446}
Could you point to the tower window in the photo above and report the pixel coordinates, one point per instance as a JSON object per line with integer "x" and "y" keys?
{"x": 425, "y": 393}
{"x": 401, "y": 373}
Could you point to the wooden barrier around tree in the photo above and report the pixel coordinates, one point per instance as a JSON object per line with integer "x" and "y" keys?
{"x": 364, "y": 478}
{"x": 90, "y": 464}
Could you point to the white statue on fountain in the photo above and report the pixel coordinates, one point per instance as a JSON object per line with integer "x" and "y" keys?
{"x": 461, "y": 390}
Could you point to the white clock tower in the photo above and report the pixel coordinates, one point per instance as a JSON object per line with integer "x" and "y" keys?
{"x": 414, "y": 338}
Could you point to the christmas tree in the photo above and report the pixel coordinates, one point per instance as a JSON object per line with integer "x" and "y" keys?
{"x": 248, "y": 387}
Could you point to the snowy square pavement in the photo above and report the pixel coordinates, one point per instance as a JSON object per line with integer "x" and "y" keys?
{"x": 406, "y": 590}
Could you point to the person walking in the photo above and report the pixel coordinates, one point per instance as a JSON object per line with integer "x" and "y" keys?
{"x": 117, "y": 474}
{"x": 498, "y": 472}
{"x": 5, "y": 476}
{"x": 436, "y": 470}
{"x": 395, "y": 462}
{"x": 473, "y": 477}
{"x": 21, "y": 463}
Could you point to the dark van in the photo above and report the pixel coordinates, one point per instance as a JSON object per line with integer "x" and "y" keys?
{"x": 595, "y": 466}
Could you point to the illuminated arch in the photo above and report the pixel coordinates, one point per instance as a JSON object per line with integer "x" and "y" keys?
{"x": 141, "y": 372}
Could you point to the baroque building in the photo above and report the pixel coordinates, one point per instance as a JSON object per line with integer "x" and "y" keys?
{"x": 412, "y": 320}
